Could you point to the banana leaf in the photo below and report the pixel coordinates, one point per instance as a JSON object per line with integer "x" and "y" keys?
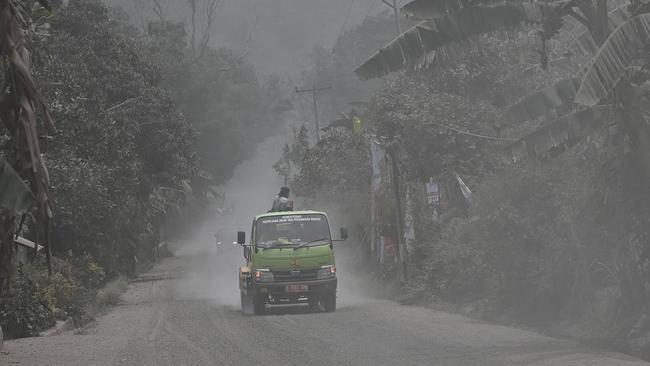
{"x": 544, "y": 101}
{"x": 609, "y": 65}
{"x": 429, "y": 9}
{"x": 409, "y": 48}
{"x": 15, "y": 195}
{"x": 584, "y": 45}
{"x": 556, "y": 137}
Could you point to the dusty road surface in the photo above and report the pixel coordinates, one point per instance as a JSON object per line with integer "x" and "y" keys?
{"x": 195, "y": 320}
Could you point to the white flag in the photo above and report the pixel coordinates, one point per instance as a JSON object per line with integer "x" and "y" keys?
{"x": 467, "y": 193}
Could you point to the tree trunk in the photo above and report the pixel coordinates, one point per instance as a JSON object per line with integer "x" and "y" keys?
{"x": 7, "y": 234}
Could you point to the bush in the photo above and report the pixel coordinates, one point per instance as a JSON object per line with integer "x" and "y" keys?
{"x": 60, "y": 291}
{"x": 87, "y": 272}
{"x": 507, "y": 256}
{"x": 26, "y": 310}
{"x": 111, "y": 294}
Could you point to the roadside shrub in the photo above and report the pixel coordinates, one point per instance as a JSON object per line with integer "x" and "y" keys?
{"x": 87, "y": 272}
{"x": 25, "y": 311}
{"x": 60, "y": 291}
{"x": 111, "y": 294}
{"x": 78, "y": 309}
{"x": 511, "y": 254}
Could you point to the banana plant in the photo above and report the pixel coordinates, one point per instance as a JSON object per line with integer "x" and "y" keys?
{"x": 445, "y": 22}
{"x": 614, "y": 82}
{"x": 609, "y": 89}
{"x": 20, "y": 106}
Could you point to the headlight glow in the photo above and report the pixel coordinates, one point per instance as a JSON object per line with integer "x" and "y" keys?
{"x": 263, "y": 275}
{"x": 326, "y": 272}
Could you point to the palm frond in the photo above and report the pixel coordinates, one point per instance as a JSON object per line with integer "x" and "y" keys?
{"x": 410, "y": 47}
{"x": 544, "y": 101}
{"x": 613, "y": 59}
{"x": 584, "y": 45}
{"x": 429, "y": 9}
{"x": 556, "y": 137}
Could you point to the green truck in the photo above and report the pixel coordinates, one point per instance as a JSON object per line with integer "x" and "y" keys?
{"x": 289, "y": 260}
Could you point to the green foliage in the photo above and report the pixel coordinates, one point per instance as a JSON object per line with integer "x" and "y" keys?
{"x": 508, "y": 254}
{"x": 111, "y": 294}
{"x": 25, "y": 311}
{"x": 427, "y": 123}
{"x": 87, "y": 272}
{"x": 121, "y": 137}
{"x": 336, "y": 166}
{"x": 60, "y": 291}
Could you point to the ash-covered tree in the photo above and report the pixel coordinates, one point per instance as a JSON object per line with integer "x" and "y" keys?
{"x": 121, "y": 136}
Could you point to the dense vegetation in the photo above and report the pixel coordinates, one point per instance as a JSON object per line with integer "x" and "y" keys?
{"x": 559, "y": 235}
{"x": 146, "y": 128}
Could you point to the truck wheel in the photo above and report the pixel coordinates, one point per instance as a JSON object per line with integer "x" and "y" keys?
{"x": 259, "y": 305}
{"x": 329, "y": 302}
{"x": 243, "y": 301}
{"x": 313, "y": 303}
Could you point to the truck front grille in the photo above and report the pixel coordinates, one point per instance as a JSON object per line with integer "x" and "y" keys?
{"x": 295, "y": 275}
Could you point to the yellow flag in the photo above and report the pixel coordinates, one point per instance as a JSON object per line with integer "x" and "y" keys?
{"x": 356, "y": 125}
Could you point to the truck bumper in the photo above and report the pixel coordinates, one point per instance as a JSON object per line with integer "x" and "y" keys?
{"x": 285, "y": 288}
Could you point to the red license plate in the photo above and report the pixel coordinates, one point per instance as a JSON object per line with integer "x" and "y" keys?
{"x": 297, "y": 288}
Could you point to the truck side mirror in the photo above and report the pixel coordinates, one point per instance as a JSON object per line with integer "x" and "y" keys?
{"x": 344, "y": 233}
{"x": 241, "y": 237}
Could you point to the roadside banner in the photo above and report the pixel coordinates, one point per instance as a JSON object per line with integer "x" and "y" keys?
{"x": 433, "y": 193}
{"x": 378, "y": 154}
{"x": 409, "y": 221}
{"x": 388, "y": 243}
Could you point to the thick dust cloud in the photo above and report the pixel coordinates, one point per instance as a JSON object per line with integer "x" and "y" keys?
{"x": 213, "y": 256}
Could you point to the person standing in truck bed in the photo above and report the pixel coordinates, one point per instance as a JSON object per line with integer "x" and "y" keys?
{"x": 282, "y": 202}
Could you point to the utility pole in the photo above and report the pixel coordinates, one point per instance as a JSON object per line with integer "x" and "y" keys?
{"x": 314, "y": 93}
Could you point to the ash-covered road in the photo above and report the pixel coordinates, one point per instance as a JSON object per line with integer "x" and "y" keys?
{"x": 195, "y": 320}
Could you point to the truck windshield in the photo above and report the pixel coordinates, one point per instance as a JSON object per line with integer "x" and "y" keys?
{"x": 292, "y": 230}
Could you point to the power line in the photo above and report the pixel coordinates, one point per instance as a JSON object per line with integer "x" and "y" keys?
{"x": 470, "y": 133}
{"x": 372, "y": 6}
{"x": 345, "y": 22}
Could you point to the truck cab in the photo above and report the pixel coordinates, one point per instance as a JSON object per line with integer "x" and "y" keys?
{"x": 289, "y": 260}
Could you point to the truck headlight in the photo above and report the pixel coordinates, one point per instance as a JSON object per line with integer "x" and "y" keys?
{"x": 326, "y": 272}
{"x": 263, "y": 275}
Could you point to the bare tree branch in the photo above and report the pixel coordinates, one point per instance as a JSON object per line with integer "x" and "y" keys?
{"x": 193, "y": 7}
{"x": 389, "y": 4}
{"x": 211, "y": 7}
{"x": 247, "y": 44}
{"x": 139, "y": 7}
{"x": 159, "y": 10}
{"x": 235, "y": 61}
{"x": 123, "y": 104}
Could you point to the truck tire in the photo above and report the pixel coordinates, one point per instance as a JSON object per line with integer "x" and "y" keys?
{"x": 329, "y": 302}
{"x": 314, "y": 303}
{"x": 243, "y": 301}
{"x": 259, "y": 305}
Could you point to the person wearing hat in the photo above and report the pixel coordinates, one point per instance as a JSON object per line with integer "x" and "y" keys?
{"x": 282, "y": 202}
